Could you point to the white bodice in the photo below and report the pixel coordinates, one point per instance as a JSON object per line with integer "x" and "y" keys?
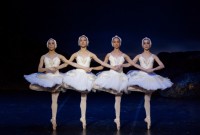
{"x": 146, "y": 63}
{"x": 51, "y": 62}
{"x": 116, "y": 60}
{"x": 83, "y": 61}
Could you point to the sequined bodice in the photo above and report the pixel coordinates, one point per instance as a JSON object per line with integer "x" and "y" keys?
{"x": 83, "y": 61}
{"x": 51, "y": 62}
{"x": 146, "y": 63}
{"x": 116, "y": 60}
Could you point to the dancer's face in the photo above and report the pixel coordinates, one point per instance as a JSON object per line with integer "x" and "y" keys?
{"x": 83, "y": 42}
{"x": 51, "y": 45}
{"x": 146, "y": 45}
{"x": 116, "y": 43}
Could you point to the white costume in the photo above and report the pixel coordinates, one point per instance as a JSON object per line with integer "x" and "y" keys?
{"x": 148, "y": 81}
{"x": 79, "y": 79}
{"x": 112, "y": 80}
{"x": 47, "y": 80}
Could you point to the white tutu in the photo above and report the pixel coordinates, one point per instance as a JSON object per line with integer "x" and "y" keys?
{"x": 46, "y": 80}
{"x": 148, "y": 81}
{"x": 79, "y": 80}
{"x": 112, "y": 80}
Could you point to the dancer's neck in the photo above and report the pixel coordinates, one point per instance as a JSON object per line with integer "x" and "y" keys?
{"x": 51, "y": 52}
{"x": 116, "y": 51}
{"x": 83, "y": 49}
{"x": 147, "y": 52}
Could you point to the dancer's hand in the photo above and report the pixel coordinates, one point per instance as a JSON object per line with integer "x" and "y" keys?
{"x": 115, "y": 68}
{"x": 149, "y": 70}
{"x": 120, "y": 66}
{"x": 90, "y": 69}
{"x": 87, "y": 69}
{"x": 52, "y": 69}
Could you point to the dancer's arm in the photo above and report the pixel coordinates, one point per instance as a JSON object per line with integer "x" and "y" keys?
{"x": 42, "y": 69}
{"x": 101, "y": 67}
{"x": 134, "y": 62}
{"x": 70, "y": 63}
{"x": 160, "y": 64}
{"x": 62, "y": 65}
{"x": 62, "y": 58}
{"x": 93, "y": 56}
{"x": 127, "y": 58}
{"x": 126, "y": 65}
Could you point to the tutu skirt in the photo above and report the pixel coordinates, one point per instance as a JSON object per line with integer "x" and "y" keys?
{"x": 148, "y": 81}
{"x": 111, "y": 81}
{"x": 46, "y": 80}
{"x": 78, "y": 80}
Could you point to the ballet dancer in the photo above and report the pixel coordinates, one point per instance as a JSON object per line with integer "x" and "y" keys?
{"x": 145, "y": 80}
{"x": 80, "y": 80}
{"x": 48, "y": 77}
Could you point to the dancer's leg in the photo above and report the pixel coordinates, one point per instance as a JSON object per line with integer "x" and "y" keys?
{"x": 54, "y": 107}
{"x": 117, "y": 110}
{"x": 83, "y": 106}
{"x": 36, "y": 87}
{"x": 40, "y": 88}
{"x": 147, "y": 99}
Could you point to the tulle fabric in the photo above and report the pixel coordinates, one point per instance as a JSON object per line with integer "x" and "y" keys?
{"x": 79, "y": 79}
{"x": 148, "y": 81}
{"x": 111, "y": 81}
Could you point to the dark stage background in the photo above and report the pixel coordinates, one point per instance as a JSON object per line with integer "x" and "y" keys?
{"x": 173, "y": 27}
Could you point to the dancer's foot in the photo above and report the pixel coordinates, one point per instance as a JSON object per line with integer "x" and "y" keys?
{"x": 54, "y": 125}
{"x": 83, "y": 122}
{"x": 148, "y": 121}
{"x": 117, "y": 121}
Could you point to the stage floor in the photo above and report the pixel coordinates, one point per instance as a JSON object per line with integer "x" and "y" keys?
{"x": 26, "y": 112}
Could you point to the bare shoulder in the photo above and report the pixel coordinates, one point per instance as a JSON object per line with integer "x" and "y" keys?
{"x": 154, "y": 56}
{"x": 137, "y": 56}
{"x": 74, "y": 54}
{"x": 60, "y": 56}
{"x": 43, "y": 56}
{"x": 91, "y": 54}
{"x": 124, "y": 54}
{"x": 108, "y": 54}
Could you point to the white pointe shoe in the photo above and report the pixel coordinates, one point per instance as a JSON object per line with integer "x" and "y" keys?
{"x": 83, "y": 122}
{"x": 148, "y": 121}
{"x": 117, "y": 121}
{"x": 54, "y": 125}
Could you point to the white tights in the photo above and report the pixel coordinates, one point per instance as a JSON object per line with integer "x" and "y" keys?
{"x": 54, "y": 104}
{"x": 83, "y": 106}
{"x": 117, "y": 110}
{"x": 147, "y": 99}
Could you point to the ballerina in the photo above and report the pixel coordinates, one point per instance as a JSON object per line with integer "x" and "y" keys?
{"x": 80, "y": 80}
{"x": 49, "y": 79}
{"x": 114, "y": 82}
{"x": 145, "y": 80}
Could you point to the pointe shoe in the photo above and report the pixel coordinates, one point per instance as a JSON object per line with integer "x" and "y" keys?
{"x": 83, "y": 122}
{"x": 54, "y": 125}
{"x": 148, "y": 121}
{"x": 117, "y": 121}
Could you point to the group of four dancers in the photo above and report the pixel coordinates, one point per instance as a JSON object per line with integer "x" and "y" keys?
{"x": 113, "y": 81}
